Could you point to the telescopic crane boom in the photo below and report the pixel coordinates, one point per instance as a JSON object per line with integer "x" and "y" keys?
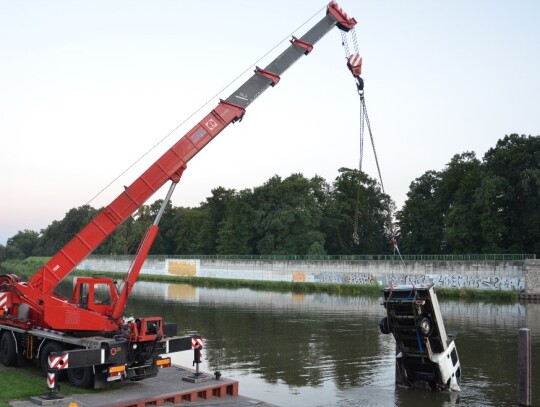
{"x": 38, "y": 291}
{"x": 27, "y": 309}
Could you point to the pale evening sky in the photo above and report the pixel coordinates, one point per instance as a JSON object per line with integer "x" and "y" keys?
{"x": 87, "y": 87}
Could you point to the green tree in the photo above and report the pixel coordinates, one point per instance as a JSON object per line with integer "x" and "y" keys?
{"x": 236, "y": 230}
{"x": 421, "y": 219}
{"x": 188, "y": 223}
{"x": 288, "y": 215}
{"x": 10, "y": 252}
{"x": 513, "y": 171}
{"x": 24, "y": 241}
{"x": 58, "y": 233}
{"x": 123, "y": 241}
{"x": 456, "y": 195}
{"x": 488, "y": 203}
{"x": 351, "y": 190}
{"x": 215, "y": 210}
{"x": 164, "y": 241}
{"x": 491, "y": 206}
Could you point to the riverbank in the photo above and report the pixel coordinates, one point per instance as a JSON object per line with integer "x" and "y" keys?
{"x": 27, "y": 267}
{"x": 480, "y": 272}
{"x": 309, "y": 288}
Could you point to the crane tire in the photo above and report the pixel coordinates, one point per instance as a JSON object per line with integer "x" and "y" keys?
{"x": 8, "y": 349}
{"x": 81, "y": 377}
{"x": 47, "y": 349}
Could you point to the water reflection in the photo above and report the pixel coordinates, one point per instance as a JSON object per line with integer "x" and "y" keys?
{"x": 321, "y": 350}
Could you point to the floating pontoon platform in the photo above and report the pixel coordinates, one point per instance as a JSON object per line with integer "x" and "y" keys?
{"x": 169, "y": 387}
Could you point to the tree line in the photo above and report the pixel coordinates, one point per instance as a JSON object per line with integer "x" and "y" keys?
{"x": 490, "y": 205}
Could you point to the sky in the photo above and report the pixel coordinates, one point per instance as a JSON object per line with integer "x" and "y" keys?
{"x": 89, "y": 87}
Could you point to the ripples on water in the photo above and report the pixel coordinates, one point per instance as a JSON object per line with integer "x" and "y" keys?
{"x": 322, "y": 350}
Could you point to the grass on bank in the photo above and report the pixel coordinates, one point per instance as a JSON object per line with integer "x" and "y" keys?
{"x": 279, "y": 286}
{"x": 23, "y": 268}
{"x": 21, "y": 383}
{"x": 309, "y": 288}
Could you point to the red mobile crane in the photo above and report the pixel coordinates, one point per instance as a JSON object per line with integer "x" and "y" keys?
{"x": 89, "y": 327}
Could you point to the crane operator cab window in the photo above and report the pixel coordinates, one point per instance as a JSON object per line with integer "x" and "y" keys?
{"x": 102, "y": 294}
{"x": 96, "y": 294}
{"x": 84, "y": 289}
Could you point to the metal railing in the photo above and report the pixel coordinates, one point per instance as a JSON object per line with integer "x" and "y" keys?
{"x": 366, "y": 257}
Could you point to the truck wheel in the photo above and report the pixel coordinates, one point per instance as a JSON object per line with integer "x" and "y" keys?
{"x": 81, "y": 377}
{"x": 8, "y": 352}
{"x": 47, "y": 349}
{"x": 383, "y": 325}
{"x": 425, "y": 326}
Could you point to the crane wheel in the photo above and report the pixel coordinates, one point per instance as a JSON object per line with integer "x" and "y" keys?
{"x": 47, "y": 349}
{"x": 8, "y": 350}
{"x": 81, "y": 377}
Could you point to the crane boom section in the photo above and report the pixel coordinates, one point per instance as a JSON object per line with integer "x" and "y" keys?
{"x": 270, "y": 75}
{"x": 168, "y": 167}
{"x": 172, "y": 163}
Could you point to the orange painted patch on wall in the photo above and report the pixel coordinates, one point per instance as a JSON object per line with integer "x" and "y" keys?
{"x": 181, "y": 268}
{"x": 299, "y": 277}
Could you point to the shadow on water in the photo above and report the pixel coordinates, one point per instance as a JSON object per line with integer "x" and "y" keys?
{"x": 322, "y": 350}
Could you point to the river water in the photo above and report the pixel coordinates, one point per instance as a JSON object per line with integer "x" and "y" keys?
{"x": 325, "y": 350}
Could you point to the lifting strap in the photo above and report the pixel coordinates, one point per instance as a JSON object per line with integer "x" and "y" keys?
{"x": 364, "y": 120}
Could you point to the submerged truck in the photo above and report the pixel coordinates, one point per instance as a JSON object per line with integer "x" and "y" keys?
{"x": 426, "y": 356}
{"x": 87, "y": 333}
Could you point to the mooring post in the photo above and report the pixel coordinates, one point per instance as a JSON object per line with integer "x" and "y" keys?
{"x": 196, "y": 343}
{"x": 524, "y": 367}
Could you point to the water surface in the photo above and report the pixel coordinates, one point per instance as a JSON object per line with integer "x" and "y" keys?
{"x": 321, "y": 350}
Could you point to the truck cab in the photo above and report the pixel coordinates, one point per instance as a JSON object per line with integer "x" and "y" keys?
{"x": 426, "y": 357}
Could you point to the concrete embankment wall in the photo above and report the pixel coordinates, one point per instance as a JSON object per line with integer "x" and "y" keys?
{"x": 515, "y": 275}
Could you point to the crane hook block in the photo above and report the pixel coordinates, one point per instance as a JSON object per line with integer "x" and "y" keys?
{"x": 354, "y": 63}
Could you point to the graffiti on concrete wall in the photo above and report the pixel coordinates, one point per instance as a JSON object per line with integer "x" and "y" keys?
{"x": 345, "y": 278}
{"x": 361, "y": 279}
{"x": 460, "y": 281}
{"x": 331, "y": 278}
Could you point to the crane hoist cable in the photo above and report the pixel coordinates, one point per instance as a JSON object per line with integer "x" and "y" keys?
{"x": 364, "y": 121}
{"x": 360, "y": 86}
{"x": 388, "y": 224}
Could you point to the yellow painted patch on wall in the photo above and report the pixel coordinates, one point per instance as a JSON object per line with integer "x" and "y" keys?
{"x": 299, "y": 277}
{"x": 181, "y": 268}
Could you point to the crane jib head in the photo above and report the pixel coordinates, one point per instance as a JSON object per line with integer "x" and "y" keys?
{"x": 344, "y": 22}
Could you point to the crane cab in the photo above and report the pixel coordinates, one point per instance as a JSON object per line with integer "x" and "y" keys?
{"x": 95, "y": 293}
